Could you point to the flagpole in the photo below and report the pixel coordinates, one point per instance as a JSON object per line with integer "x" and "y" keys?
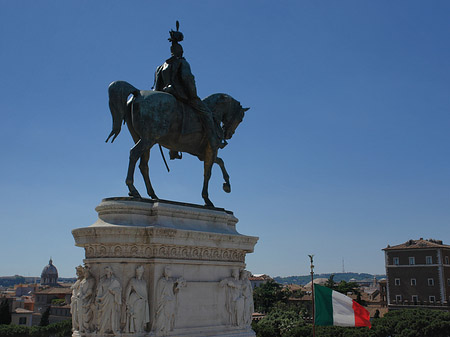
{"x": 312, "y": 294}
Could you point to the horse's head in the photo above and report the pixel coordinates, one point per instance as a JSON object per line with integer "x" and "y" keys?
{"x": 227, "y": 110}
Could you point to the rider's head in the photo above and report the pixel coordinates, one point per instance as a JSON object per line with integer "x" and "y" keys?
{"x": 176, "y": 50}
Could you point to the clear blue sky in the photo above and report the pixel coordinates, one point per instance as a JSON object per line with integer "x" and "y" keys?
{"x": 346, "y": 147}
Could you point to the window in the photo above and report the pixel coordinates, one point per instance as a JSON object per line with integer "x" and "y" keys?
{"x": 398, "y": 298}
{"x": 22, "y": 320}
{"x": 413, "y": 282}
{"x": 431, "y": 281}
{"x": 429, "y": 260}
{"x": 448, "y": 282}
{"x": 432, "y": 299}
{"x": 396, "y": 261}
{"x": 397, "y": 281}
{"x": 446, "y": 260}
{"x": 415, "y": 299}
{"x": 412, "y": 260}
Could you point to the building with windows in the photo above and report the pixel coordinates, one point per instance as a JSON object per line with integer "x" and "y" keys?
{"x": 259, "y": 279}
{"x": 418, "y": 274}
{"x": 22, "y": 316}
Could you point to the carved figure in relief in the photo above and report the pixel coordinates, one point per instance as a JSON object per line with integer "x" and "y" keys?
{"x": 109, "y": 301}
{"x": 247, "y": 294}
{"x": 234, "y": 302}
{"x": 136, "y": 299}
{"x": 166, "y": 292}
{"x": 86, "y": 312}
{"x": 75, "y": 299}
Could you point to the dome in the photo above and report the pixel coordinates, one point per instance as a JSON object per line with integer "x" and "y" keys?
{"x": 319, "y": 281}
{"x": 49, "y": 275}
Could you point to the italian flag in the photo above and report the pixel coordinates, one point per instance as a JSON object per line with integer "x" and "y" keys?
{"x": 334, "y": 308}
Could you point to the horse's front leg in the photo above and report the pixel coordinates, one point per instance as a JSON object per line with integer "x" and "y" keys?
{"x": 226, "y": 177}
{"x": 135, "y": 153}
{"x": 143, "y": 166}
{"x": 210, "y": 157}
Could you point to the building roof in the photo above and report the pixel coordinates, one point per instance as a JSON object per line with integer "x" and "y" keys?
{"x": 54, "y": 290}
{"x": 260, "y": 277}
{"x": 22, "y": 311}
{"x": 319, "y": 281}
{"x": 418, "y": 244}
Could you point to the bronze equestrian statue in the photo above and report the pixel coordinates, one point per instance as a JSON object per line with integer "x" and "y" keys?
{"x": 175, "y": 77}
{"x": 174, "y": 117}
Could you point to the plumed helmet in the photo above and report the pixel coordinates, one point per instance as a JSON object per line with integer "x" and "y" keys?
{"x": 176, "y": 36}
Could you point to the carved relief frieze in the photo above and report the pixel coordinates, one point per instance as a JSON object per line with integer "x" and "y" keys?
{"x": 164, "y": 251}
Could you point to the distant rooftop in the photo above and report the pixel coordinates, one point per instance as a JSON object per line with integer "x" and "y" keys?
{"x": 419, "y": 244}
{"x": 55, "y": 290}
{"x": 259, "y": 277}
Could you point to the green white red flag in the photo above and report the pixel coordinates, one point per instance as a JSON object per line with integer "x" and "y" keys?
{"x": 334, "y": 308}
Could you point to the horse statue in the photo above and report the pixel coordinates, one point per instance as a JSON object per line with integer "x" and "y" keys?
{"x": 156, "y": 117}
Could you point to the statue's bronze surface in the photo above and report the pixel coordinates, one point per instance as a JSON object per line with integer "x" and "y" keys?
{"x": 157, "y": 117}
{"x": 174, "y": 117}
{"x": 175, "y": 77}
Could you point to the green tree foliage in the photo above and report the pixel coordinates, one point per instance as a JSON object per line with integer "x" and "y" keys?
{"x": 58, "y": 301}
{"x": 345, "y": 287}
{"x": 45, "y": 318}
{"x": 61, "y": 329}
{"x": 377, "y": 314}
{"x": 413, "y": 323}
{"x": 268, "y": 295}
{"x": 330, "y": 283}
{"x": 278, "y": 323}
{"x": 5, "y": 314}
{"x": 398, "y": 323}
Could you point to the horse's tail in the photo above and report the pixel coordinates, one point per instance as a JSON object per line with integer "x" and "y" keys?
{"x": 118, "y": 93}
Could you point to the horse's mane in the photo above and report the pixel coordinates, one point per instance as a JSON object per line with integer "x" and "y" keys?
{"x": 219, "y": 103}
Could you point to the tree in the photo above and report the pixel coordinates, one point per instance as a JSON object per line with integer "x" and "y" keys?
{"x": 45, "y": 318}
{"x": 330, "y": 283}
{"x": 60, "y": 329}
{"x": 5, "y": 314}
{"x": 268, "y": 294}
{"x": 377, "y": 314}
{"x": 345, "y": 287}
{"x": 412, "y": 323}
{"x": 278, "y": 323}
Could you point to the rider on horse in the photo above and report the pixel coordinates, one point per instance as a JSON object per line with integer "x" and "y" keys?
{"x": 175, "y": 77}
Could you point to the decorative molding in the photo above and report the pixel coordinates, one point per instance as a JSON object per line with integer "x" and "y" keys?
{"x": 164, "y": 251}
{"x": 143, "y": 238}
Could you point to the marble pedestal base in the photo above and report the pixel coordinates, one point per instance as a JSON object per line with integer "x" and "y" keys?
{"x": 165, "y": 268}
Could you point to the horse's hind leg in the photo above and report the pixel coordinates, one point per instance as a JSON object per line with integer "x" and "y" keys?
{"x": 209, "y": 160}
{"x": 135, "y": 153}
{"x": 143, "y": 167}
{"x": 226, "y": 177}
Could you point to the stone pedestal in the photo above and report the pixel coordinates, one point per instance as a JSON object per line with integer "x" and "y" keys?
{"x": 192, "y": 281}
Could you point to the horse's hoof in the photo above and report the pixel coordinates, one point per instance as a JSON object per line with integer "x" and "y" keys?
{"x": 208, "y": 203}
{"x": 135, "y": 195}
{"x": 226, "y": 187}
